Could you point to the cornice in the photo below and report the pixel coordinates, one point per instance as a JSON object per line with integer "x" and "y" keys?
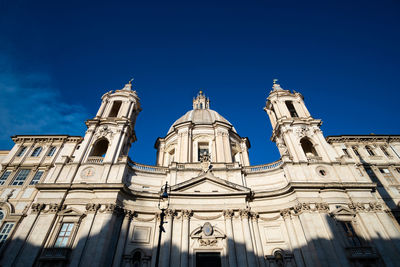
{"x": 362, "y": 138}
{"x": 293, "y": 186}
{"x": 46, "y": 138}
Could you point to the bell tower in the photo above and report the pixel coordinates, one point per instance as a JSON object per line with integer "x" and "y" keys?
{"x": 111, "y": 132}
{"x": 296, "y": 133}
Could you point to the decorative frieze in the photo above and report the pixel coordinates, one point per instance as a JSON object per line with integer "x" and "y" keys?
{"x": 170, "y": 213}
{"x": 254, "y": 216}
{"x": 37, "y": 207}
{"x": 208, "y": 242}
{"x": 305, "y": 207}
{"x": 129, "y": 213}
{"x": 92, "y": 207}
{"x": 365, "y": 207}
{"x": 285, "y": 213}
{"x": 112, "y": 208}
{"x": 322, "y": 207}
{"x": 244, "y": 213}
{"x": 54, "y": 207}
{"x": 301, "y": 207}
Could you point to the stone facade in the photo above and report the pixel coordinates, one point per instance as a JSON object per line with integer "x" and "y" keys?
{"x": 80, "y": 201}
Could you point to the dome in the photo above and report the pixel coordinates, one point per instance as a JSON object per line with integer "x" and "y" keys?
{"x": 200, "y": 116}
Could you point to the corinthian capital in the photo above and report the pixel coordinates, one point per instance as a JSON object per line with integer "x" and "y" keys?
{"x": 186, "y": 214}
{"x": 169, "y": 213}
{"x": 228, "y": 214}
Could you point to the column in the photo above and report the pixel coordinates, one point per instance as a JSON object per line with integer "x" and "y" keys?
{"x": 185, "y": 238}
{"x": 292, "y": 237}
{"x": 123, "y": 236}
{"x": 166, "y": 244}
{"x": 220, "y": 147}
{"x": 259, "y": 246}
{"x": 101, "y": 109}
{"x": 227, "y": 147}
{"x": 310, "y": 257}
{"x": 244, "y": 216}
{"x": 228, "y": 214}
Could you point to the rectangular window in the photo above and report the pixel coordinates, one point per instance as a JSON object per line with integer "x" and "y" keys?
{"x": 291, "y": 109}
{"x": 64, "y": 235}
{"x": 350, "y": 233}
{"x": 373, "y": 177}
{"x": 346, "y": 152}
{"x": 355, "y": 150}
{"x": 202, "y": 150}
{"x": 36, "y": 178}
{"x": 5, "y": 232}
{"x": 385, "y": 151}
{"x": 4, "y": 177}
{"x": 388, "y": 175}
{"x": 21, "y": 151}
{"x": 384, "y": 171}
{"x": 20, "y": 177}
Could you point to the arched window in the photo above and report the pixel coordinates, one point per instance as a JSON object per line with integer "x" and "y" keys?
{"x": 279, "y": 259}
{"x": 136, "y": 259}
{"x": 369, "y": 150}
{"x": 52, "y": 150}
{"x": 21, "y": 151}
{"x": 355, "y": 150}
{"x": 308, "y": 147}
{"x": 291, "y": 109}
{"x": 36, "y": 152}
{"x": 115, "y": 109}
{"x": 1, "y": 215}
{"x": 100, "y": 148}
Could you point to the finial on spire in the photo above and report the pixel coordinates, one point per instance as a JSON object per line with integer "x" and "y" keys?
{"x": 128, "y": 86}
{"x": 276, "y": 86}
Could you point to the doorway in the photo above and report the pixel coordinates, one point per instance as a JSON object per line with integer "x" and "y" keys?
{"x": 208, "y": 259}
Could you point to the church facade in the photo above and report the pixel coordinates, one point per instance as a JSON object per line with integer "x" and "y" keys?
{"x": 81, "y": 201}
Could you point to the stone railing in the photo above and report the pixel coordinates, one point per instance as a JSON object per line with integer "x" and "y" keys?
{"x": 361, "y": 252}
{"x": 263, "y": 167}
{"x": 55, "y": 254}
{"x": 93, "y": 159}
{"x": 146, "y": 168}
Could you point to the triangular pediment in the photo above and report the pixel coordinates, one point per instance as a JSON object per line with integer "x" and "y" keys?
{"x": 342, "y": 213}
{"x": 208, "y": 184}
{"x": 70, "y": 212}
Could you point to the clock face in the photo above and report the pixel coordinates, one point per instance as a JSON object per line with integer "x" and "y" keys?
{"x": 88, "y": 172}
{"x": 207, "y": 229}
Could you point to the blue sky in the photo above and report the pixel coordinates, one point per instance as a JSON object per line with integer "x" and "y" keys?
{"x": 57, "y": 58}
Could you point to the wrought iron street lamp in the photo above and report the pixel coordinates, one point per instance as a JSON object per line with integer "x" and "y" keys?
{"x": 163, "y": 199}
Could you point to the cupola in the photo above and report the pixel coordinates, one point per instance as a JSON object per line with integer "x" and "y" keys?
{"x": 202, "y": 131}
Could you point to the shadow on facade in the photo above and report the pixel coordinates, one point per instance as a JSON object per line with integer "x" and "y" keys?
{"x": 110, "y": 245}
{"x": 383, "y": 191}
